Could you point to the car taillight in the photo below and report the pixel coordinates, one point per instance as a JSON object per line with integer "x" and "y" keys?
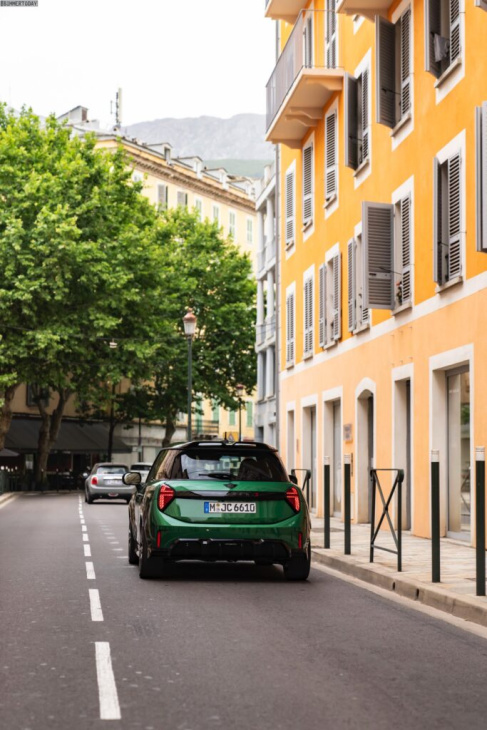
{"x": 166, "y": 496}
{"x": 94, "y": 480}
{"x": 292, "y": 497}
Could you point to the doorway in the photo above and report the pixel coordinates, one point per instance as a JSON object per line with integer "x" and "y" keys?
{"x": 309, "y": 451}
{"x": 337, "y": 459}
{"x": 458, "y": 447}
{"x": 365, "y": 454}
{"x": 403, "y": 444}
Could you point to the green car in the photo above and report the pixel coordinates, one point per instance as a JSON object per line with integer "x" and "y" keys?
{"x": 218, "y": 500}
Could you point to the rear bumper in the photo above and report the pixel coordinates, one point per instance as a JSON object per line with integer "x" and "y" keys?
{"x": 109, "y": 492}
{"x": 274, "y": 551}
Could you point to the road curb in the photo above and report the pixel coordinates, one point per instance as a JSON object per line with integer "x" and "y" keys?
{"x": 471, "y": 609}
{"x": 7, "y": 496}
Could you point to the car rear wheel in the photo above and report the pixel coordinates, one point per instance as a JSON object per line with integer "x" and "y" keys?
{"x": 133, "y": 557}
{"x": 89, "y": 498}
{"x": 148, "y": 567}
{"x": 299, "y": 566}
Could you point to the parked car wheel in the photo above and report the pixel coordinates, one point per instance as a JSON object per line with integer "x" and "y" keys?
{"x": 148, "y": 568}
{"x": 133, "y": 557}
{"x": 298, "y": 567}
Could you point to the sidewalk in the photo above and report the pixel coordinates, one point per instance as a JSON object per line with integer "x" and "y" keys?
{"x": 456, "y": 592}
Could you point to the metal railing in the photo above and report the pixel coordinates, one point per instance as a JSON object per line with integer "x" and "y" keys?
{"x": 299, "y": 52}
{"x": 386, "y": 503}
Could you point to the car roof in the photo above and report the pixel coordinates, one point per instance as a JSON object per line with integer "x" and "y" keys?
{"x": 223, "y": 443}
{"x": 111, "y": 463}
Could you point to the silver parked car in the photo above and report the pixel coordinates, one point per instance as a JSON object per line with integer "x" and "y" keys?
{"x": 105, "y": 482}
{"x": 143, "y": 467}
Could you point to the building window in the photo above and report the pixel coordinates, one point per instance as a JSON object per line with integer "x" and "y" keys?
{"x": 358, "y": 313}
{"x": 357, "y": 121}
{"x": 308, "y": 185}
{"x": 443, "y": 33}
{"x": 481, "y": 174}
{"x": 162, "y": 197}
{"x": 290, "y": 196}
{"x": 215, "y": 413}
{"x": 308, "y": 40}
{"x": 447, "y": 216}
{"x": 250, "y": 230}
{"x": 182, "y": 199}
{"x": 290, "y": 328}
{"x": 198, "y": 204}
{"x": 331, "y": 157}
{"x": 330, "y": 326}
{"x": 308, "y": 294}
{"x": 331, "y": 34}
{"x": 387, "y": 231}
{"x": 250, "y": 414}
{"x": 232, "y": 418}
{"x": 216, "y": 214}
{"x": 136, "y": 177}
{"x": 393, "y": 66}
{"x": 232, "y": 225}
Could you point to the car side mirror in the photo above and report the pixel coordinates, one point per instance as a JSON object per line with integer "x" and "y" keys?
{"x": 293, "y": 478}
{"x": 132, "y": 478}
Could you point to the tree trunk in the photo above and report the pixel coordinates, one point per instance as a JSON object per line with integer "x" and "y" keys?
{"x": 48, "y": 433}
{"x": 6, "y": 412}
{"x": 169, "y": 432}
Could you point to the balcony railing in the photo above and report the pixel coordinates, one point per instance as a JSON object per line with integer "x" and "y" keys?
{"x": 301, "y": 83}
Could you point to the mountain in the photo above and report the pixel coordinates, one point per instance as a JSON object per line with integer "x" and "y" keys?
{"x": 239, "y": 138}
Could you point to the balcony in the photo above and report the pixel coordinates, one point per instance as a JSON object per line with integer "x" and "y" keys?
{"x": 368, "y": 8}
{"x": 287, "y": 10}
{"x": 301, "y": 83}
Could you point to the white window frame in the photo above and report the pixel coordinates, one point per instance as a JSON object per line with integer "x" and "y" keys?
{"x": 331, "y": 34}
{"x": 232, "y": 226}
{"x": 360, "y": 319}
{"x": 290, "y": 216}
{"x": 331, "y": 203}
{"x": 198, "y": 204}
{"x": 333, "y": 300}
{"x": 308, "y": 312}
{"x": 159, "y": 188}
{"x": 308, "y": 195}
{"x": 250, "y": 231}
{"x": 481, "y": 176}
{"x": 363, "y": 168}
{"x": 216, "y": 214}
{"x": 447, "y": 76}
{"x": 180, "y": 204}
{"x": 456, "y": 146}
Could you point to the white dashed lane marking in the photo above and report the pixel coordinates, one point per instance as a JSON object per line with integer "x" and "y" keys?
{"x": 87, "y": 551}
{"x": 107, "y": 689}
{"x": 95, "y": 605}
{"x": 85, "y": 537}
{"x": 90, "y": 571}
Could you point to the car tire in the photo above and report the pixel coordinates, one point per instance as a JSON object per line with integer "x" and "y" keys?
{"x": 133, "y": 557}
{"x": 148, "y": 567}
{"x": 88, "y": 498}
{"x": 299, "y": 566}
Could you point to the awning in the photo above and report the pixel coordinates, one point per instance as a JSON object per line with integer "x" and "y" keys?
{"x": 8, "y": 454}
{"x": 74, "y": 436}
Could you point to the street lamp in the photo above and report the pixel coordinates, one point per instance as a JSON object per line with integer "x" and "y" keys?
{"x": 240, "y": 392}
{"x": 189, "y": 321}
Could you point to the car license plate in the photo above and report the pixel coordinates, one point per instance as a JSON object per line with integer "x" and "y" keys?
{"x": 218, "y": 508}
{"x": 113, "y": 494}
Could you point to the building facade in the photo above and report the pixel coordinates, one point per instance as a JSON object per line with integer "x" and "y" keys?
{"x": 380, "y": 111}
{"x": 265, "y": 345}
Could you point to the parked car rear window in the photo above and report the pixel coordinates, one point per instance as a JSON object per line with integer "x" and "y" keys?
{"x": 238, "y": 464}
{"x": 111, "y": 470}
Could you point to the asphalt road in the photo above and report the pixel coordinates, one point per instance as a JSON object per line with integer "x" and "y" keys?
{"x": 212, "y": 646}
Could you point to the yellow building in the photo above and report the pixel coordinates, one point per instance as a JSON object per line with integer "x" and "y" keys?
{"x": 380, "y": 112}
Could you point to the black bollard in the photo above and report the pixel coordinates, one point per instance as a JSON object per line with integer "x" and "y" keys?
{"x": 346, "y": 506}
{"x": 480, "y": 518}
{"x": 435, "y": 516}
{"x": 326, "y": 506}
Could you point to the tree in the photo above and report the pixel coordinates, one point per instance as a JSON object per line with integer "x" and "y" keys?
{"x": 209, "y": 274}
{"x": 81, "y": 268}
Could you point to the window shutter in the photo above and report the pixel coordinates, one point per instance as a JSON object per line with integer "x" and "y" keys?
{"x": 322, "y": 305}
{"x": 289, "y": 208}
{"x": 331, "y": 34}
{"x": 405, "y": 62}
{"x": 405, "y": 212}
{"x": 454, "y": 30}
{"x": 351, "y": 122}
{"x": 377, "y": 242}
{"x": 308, "y": 184}
{"x": 385, "y": 72}
{"x": 440, "y": 247}
{"x": 337, "y": 297}
{"x": 331, "y": 156}
{"x": 481, "y": 4}
{"x": 308, "y": 316}
{"x": 365, "y": 116}
{"x": 432, "y": 28}
{"x": 481, "y": 169}
{"x": 352, "y": 288}
{"x": 182, "y": 199}
{"x": 162, "y": 191}
{"x": 290, "y": 329}
{"x": 454, "y": 217}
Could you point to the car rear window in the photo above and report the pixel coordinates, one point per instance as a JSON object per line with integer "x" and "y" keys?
{"x": 141, "y": 467}
{"x": 236, "y": 464}
{"x": 111, "y": 470}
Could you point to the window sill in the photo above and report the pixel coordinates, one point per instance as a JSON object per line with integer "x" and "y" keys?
{"x": 363, "y": 166}
{"x": 401, "y": 308}
{"x": 308, "y": 355}
{"x": 362, "y": 328}
{"x": 401, "y": 123}
{"x": 307, "y": 225}
{"x": 332, "y": 199}
{"x": 289, "y": 365}
{"x": 328, "y": 345}
{"x": 448, "y": 72}
{"x": 453, "y": 282}
{"x": 289, "y": 244}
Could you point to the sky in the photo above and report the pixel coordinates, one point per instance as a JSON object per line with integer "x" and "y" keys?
{"x": 171, "y": 58}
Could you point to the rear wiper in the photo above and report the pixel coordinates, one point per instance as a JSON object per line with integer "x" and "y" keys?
{"x": 217, "y": 475}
